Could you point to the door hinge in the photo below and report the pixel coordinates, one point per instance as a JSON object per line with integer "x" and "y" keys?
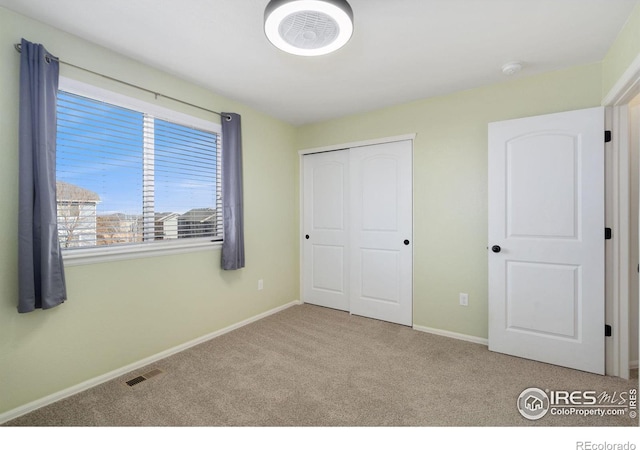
{"x": 608, "y": 233}
{"x": 607, "y": 330}
{"x": 607, "y": 136}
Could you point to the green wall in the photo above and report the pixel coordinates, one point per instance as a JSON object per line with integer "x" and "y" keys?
{"x": 450, "y": 180}
{"x": 118, "y": 313}
{"x": 622, "y": 53}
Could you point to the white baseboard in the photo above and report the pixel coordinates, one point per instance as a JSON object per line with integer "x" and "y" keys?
{"x": 475, "y": 339}
{"x": 24, "y": 409}
{"x": 451, "y": 334}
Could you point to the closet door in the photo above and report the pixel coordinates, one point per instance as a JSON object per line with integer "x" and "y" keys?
{"x": 381, "y": 231}
{"x": 325, "y": 228}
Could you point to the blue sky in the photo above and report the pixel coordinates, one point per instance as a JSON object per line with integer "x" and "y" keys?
{"x": 100, "y": 148}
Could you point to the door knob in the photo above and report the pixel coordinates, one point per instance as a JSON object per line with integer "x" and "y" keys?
{"x": 306, "y": 236}
{"x": 406, "y": 242}
{"x": 496, "y": 249}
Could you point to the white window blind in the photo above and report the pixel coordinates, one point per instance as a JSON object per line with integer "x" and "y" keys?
{"x": 125, "y": 176}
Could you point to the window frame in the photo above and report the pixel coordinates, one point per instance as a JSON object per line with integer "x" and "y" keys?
{"x": 93, "y": 255}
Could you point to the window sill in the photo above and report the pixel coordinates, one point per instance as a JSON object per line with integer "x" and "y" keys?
{"x": 80, "y": 256}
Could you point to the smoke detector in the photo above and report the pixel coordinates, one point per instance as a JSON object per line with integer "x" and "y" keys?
{"x": 512, "y": 68}
{"x": 308, "y": 27}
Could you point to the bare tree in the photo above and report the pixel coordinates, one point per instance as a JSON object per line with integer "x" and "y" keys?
{"x": 76, "y": 208}
{"x": 118, "y": 228}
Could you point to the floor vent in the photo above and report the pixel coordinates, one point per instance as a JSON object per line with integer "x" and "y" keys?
{"x": 141, "y": 378}
{"x": 135, "y": 381}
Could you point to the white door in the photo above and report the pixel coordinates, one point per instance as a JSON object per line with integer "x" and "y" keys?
{"x": 381, "y": 231}
{"x": 325, "y": 217}
{"x": 546, "y": 238}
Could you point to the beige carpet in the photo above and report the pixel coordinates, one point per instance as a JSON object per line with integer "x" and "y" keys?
{"x": 312, "y": 366}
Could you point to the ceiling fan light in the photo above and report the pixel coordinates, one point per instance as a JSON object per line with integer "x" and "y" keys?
{"x": 308, "y": 27}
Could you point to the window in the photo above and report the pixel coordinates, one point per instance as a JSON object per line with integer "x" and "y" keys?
{"x": 133, "y": 175}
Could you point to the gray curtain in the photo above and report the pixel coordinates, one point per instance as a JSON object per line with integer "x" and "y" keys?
{"x": 233, "y": 217}
{"x": 40, "y": 269}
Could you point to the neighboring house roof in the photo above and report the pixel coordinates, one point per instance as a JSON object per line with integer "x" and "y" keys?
{"x": 199, "y": 215}
{"x": 162, "y": 217}
{"x": 67, "y": 192}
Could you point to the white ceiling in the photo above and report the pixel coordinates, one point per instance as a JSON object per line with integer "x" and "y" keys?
{"x": 401, "y": 50}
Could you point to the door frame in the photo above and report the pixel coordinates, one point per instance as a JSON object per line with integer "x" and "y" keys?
{"x": 617, "y": 214}
{"x": 331, "y": 148}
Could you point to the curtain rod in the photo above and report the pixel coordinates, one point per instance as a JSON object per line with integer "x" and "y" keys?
{"x": 18, "y": 48}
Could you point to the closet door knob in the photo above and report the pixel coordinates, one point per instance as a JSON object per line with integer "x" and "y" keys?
{"x": 406, "y": 242}
{"x": 496, "y": 249}
{"x": 306, "y": 236}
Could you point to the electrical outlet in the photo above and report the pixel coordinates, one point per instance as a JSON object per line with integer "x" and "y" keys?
{"x": 260, "y": 285}
{"x": 464, "y": 299}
